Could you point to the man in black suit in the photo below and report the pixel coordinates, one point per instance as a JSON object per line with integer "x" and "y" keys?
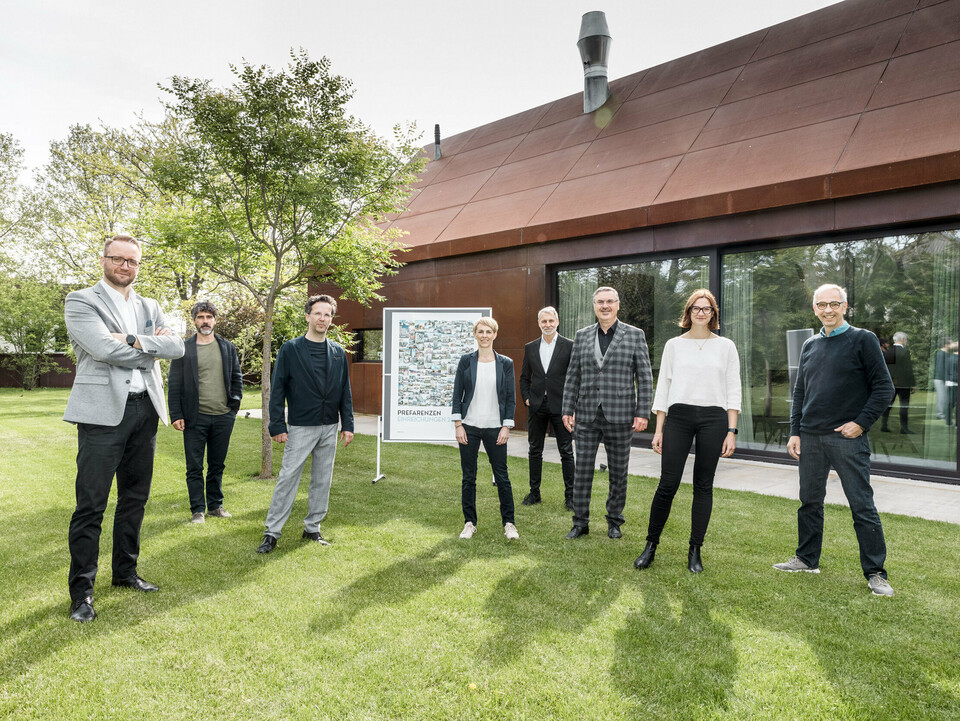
{"x": 204, "y": 391}
{"x": 545, "y": 362}
{"x": 901, "y": 372}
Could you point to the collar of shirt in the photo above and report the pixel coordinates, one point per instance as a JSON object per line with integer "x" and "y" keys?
{"x": 610, "y": 331}
{"x": 843, "y": 328}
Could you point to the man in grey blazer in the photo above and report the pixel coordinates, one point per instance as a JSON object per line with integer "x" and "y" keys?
{"x": 116, "y": 402}
{"x": 606, "y": 397}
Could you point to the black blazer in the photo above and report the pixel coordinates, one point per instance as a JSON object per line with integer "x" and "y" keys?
{"x": 535, "y": 384}
{"x": 295, "y": 384}
{"x": 465, "y": 381}
{"x": 183, "y": 383}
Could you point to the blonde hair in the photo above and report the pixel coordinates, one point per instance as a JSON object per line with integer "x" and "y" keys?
{"x": 487, "y": 321}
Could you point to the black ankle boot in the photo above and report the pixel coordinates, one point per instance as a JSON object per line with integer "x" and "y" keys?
{"x": 693, "y": 560}
{"x": 646, "y": 558}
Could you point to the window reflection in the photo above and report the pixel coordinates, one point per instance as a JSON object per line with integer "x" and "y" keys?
{"x": 904, "y": 284}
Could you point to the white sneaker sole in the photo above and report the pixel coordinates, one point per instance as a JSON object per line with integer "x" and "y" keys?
{"x": 797, "y": 570}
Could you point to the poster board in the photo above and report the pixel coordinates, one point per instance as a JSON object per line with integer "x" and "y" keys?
{"x": 421, "y": 350}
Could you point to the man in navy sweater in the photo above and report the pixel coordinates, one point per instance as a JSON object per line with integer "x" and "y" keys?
{"x": 311, "y": 375}
{"x": 843, "y": 386}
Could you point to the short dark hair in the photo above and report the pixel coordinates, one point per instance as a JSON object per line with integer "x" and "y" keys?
{"x": 204, "y": 306}
{"x": 308, "y": 306}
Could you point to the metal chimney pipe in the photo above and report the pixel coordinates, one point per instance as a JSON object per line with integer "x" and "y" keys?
{"x": 436, "y": 141}
{"x": 594, "y": 44}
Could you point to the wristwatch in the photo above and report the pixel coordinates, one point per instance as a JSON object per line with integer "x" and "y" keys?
{"x": 131, "y": 340}
{"x": 732, "y": 430}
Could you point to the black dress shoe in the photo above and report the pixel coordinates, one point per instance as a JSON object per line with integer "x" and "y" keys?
{"x": 136, "y": 583}
{"x": 315, "y": 537}
{"x": 646, "y": 558}
{"x": 578, "y": 531}
{"x": 693, "y": 560}
{"x": 569, "y": 504}
{"x": 532, "y": 499}
{"x": 82, "y": 610}
{"x": 268, "y": 544}
{"x": 614, "y": 532}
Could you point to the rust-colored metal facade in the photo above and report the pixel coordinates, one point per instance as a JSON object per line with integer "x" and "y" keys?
{"x": 840, "y": 121}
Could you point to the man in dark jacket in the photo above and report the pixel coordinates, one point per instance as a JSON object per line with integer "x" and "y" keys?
{"x": 545, "y": 362}
{"x": 312, "y": 378}
{"x": 204, "y": 391}
{"x": 901, "y": 372}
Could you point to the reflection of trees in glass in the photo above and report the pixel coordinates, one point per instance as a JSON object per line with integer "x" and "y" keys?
{"x": 903, "y": 283}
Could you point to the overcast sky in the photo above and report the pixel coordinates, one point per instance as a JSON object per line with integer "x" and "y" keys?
{"x": 460, "y": 64}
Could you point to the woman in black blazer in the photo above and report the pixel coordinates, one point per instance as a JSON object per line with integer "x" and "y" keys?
{"x": 484, "y": 400}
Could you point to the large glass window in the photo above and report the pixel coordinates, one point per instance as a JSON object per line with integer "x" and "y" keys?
{"x": 901, "y": 284}
{"x": 652, "y": 295}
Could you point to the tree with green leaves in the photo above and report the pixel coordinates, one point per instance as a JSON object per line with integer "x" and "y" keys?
{"x": 31, "y": 326}
{"x": 287, "y": 185}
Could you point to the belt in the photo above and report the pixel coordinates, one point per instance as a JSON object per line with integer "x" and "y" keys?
{"x": 137, "y": 396}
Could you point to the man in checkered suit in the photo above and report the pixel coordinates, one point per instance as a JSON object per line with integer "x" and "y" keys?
{"x": 606, "y": 397}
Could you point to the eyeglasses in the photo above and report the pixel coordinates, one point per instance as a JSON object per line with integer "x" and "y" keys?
{"x": 601, "y": 301}
{"x": 701, "y": 310}
{"x": 834, "y": 305}
{"x": 119, "y": 260}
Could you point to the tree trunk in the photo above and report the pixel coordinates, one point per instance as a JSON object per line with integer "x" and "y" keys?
{"x": 266, "y": 443}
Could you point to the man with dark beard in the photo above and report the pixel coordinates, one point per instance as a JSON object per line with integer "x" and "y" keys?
{"x": 204, "y": 390}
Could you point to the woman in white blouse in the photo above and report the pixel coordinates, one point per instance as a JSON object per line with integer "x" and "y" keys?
{"x": 484, "y": 401}
{"x": 697, "y": 397}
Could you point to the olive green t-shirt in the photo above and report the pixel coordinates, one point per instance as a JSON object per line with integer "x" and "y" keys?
{"x": 213, "y": 394}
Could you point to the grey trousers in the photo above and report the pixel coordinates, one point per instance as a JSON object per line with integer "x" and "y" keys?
{"x": 302, "y": 442}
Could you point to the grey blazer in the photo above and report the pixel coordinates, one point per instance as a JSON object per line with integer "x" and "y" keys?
{"x": 620, "y": 381}
{"x": 100, "y": 389}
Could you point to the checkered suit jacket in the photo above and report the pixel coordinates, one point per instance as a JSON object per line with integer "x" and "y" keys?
{"x": 621, "y": 382}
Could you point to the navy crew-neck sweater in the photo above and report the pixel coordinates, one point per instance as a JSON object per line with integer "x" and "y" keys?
{"x": 841, "y": 378}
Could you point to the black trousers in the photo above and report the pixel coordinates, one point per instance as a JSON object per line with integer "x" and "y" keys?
{"x": 210, "y": 435}
{"x": 684, "y": 423}
{"x": 125, "y": 450}
{"x": 904, "y": 395}
{"x": 497, "y": 456}
{"x": 537, "y": 423}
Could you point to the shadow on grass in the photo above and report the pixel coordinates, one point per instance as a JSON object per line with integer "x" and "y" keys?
{"x": 204, "y": 567}
{"x": 672, "y": 655}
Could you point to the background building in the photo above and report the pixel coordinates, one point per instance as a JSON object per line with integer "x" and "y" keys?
{"x": 822, "y": 149}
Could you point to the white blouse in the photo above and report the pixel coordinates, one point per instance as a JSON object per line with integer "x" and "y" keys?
{"x": 699, "y": 373}
{"x": 484, "y": 409}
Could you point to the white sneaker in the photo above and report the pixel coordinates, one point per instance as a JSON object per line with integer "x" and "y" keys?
{"x": 468, "y": 530}
{"x": 879, "y": 585}
{"x": 794, "y": 565}
{"x": 510, "y": 531}
{"x": 197, "y": 517}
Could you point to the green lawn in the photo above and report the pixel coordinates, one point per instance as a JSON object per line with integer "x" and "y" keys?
{"x": 400, "y": 619}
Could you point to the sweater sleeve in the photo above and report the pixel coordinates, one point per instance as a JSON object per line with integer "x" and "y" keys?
{"x": 661, "y": 399}
{"x": 878, "y": 380}
{"x": 734, "y": 387}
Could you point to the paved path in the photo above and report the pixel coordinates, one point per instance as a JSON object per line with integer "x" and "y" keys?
{"x": 923, "y": 499}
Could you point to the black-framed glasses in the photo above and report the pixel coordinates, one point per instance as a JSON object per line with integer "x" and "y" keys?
{"x": 834, "y": 305}
{"x": 119, "y": 260}
{"x": 701, "y": 309}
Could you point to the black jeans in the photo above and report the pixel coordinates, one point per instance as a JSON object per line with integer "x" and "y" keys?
{"x": 537, "y": 423}
{"x": 125, "y": 450}
{"x": 684, "y": 423}
{"x": 210, "y": 434}
{"x": 468, "y": 467}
